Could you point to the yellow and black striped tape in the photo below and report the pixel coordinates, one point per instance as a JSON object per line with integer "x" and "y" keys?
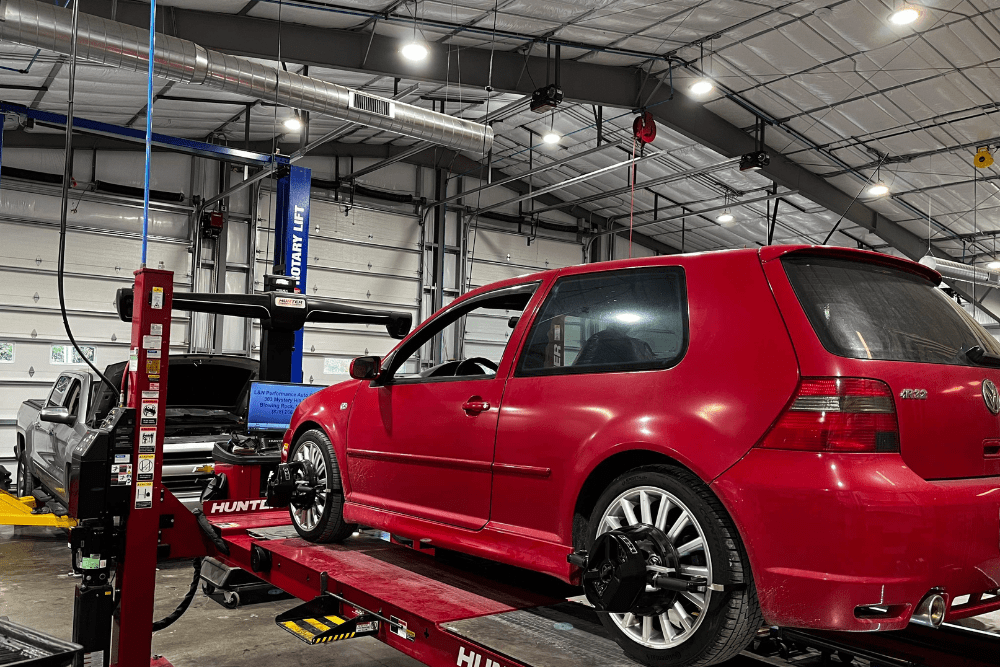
{"x": 310, "y": 629}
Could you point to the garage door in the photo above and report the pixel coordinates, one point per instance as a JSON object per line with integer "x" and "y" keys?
{"x": 103, "y": 249}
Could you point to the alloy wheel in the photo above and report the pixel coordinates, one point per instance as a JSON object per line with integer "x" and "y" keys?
{"x": 654, "y": 506}
{"x": 308, "y": 517}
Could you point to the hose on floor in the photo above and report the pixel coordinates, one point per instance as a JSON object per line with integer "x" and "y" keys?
{"x": 167, "y": 621}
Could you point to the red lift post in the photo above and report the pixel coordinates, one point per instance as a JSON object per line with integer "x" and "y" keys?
{"x": 132, "y": 635}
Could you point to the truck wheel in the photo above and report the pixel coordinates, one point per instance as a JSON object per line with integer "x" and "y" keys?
{"x": 25, "y": 483}
{"x": 322, "y": 518}
{"x": 697, "y": 629}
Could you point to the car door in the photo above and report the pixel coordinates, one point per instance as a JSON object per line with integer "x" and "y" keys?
{"x": 65, "y": 436}
{"x": 596, "y": 369}
{"x": 421, "y": 443}
{"x": 43, "y": 435}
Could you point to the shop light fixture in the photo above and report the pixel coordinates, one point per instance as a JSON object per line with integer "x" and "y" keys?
{"x": 414, "y": 51}
{"x": 878, "y": 189}
{"x": 993, "y": 265}
{"x": 293, "y": 123}
{"x": 551, "y": 137}
{"x": 725, "y": 217}
{"x": 702, "y": 87}
{"x": 904, "y": 15}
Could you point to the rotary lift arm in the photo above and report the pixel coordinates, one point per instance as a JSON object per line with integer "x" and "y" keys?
{"x": 281, "y": 312}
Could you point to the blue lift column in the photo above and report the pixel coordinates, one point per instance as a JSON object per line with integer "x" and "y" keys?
{"x": 291, "y": 239}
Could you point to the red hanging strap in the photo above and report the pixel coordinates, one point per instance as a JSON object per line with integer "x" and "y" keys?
{"x": 631, "y": 206}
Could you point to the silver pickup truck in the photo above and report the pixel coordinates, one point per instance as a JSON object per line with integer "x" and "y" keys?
{"x": 206, "y": 402}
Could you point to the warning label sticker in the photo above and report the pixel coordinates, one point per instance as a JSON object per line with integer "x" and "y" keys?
{"x": 156, "y": 299}
{"x": 150, "y": 410}
{"x": 147, "y": 440}
{"x": 155, "y": 329}
{"x": 153, "y": 368}
{"x": 143, "y": 495}
{"x": 152, "y": 342}
{"x": 146, "y": 462}
{"x": 121, "y": 474}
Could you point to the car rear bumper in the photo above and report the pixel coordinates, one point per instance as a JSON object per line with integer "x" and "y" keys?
{"x": 828, "y": 534}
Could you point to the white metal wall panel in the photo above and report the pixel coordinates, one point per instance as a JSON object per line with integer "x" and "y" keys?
{"x": 621, "y": 250}
{"x": 499, "y": 256}
{"x": 32, "y": 206}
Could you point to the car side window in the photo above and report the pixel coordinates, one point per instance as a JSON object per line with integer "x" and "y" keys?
{"x": 72, "y": 401}
{"x": 57, "y": 396}
{"x": 626, "y": 320}
{"x": 473, "y": 337}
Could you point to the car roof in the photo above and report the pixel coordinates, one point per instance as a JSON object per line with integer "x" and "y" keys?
{"x": 766, "y": 254}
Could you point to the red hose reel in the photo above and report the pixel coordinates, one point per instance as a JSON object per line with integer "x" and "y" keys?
{"x": 643, "y": 128}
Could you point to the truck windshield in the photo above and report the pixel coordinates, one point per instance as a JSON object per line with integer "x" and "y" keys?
{"x": 864, "y": 310}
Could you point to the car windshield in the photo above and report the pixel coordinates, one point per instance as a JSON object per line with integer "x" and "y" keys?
{"x": 864, "y": 310}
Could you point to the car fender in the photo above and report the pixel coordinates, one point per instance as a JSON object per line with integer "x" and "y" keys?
{"x": 329, "y": 409}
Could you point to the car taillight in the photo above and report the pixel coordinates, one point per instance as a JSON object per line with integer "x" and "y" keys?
{"x": 837, "y": 415}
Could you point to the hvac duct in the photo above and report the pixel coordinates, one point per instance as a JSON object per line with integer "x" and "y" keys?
{"x": 963, "y": 272}
{"x": 48, "y": 26}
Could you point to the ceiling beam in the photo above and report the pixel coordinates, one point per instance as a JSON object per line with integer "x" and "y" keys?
{"x": 621, "y": 87}
{"x": 507, "y": 71}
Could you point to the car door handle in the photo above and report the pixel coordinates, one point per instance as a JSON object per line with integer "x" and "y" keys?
{"x": 475, "y": 405}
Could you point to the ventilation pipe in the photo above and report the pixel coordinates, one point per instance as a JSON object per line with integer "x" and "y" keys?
{"x": 48, "y": 26}
{"x": 963, "y": 272}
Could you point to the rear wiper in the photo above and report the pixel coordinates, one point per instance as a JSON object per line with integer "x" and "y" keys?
{"x": 978, "y": 355}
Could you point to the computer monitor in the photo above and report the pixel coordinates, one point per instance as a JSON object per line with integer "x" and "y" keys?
{"x": 272, "y": 404}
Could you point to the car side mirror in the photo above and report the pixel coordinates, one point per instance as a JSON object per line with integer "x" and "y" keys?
{"x": 366, "y": 368}
{"x": 56, "y": 415}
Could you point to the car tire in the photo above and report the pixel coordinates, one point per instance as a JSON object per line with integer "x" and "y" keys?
{"x": 25, "y": 482}
{"x": 729, "y": 619}
{"x": 323, "y": 520}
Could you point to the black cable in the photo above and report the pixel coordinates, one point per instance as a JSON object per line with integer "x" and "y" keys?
{"x": 209, "y": 530}
{"x": 863, "y": 187}
{"x": 63, "y": 213}
{"x": 167, "y": 621}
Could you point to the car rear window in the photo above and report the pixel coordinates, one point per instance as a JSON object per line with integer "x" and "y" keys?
{"x": 627, "y": 320}
{"x": 863, "y": 310}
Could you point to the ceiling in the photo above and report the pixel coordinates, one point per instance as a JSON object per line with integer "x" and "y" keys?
{"x": 845, "y": 95}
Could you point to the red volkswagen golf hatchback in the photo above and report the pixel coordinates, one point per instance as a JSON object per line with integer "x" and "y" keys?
{"x": 796, "y": 436}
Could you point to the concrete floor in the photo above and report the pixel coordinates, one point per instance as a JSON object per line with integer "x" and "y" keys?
{"x": 36, "y": 589}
